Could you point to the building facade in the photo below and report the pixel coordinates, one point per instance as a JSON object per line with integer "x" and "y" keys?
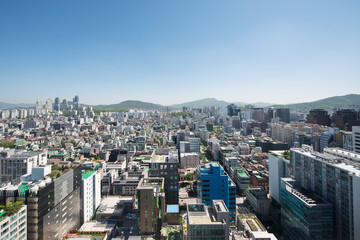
{"x": 214, "y": 184}
{"x": 337, "y": 180}
{"x": 304, "y": 215}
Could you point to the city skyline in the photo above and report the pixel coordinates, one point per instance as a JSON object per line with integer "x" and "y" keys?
{"x": 168, "y": 53}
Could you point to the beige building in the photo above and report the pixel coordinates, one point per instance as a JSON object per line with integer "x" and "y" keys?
{"x": 189, "y": 160}
{"x": 151, "y": 204}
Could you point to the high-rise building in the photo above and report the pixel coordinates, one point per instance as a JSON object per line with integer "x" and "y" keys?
{"x": 64, "y": 106}
{"x": 151, "y": 204}
{"x": 91, "y": 194}
{"x": 194, "y": 145}
{"x": 283, "y": 114}
{"x": 356, "y": 138}
{"x": 57, "y": 104}
{"x": 49, "y": 105}
{"x": 38, "y": 106}
{"x": 312, "y": 218}
{"x": 233, "y": 110}
{"x": 344, "y": 119}
{"x": 76, "y": 102}
{"x": 164, "y": 164}
{"x": 319, "y": 116}
{"x": 53, "y": 205}
{"x": 215, "y": 184}
{"x": 279, "y": 167}
{"x": 335, "y": 176}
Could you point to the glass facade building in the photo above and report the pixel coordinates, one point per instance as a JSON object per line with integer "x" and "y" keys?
{"x": 304, "y": 215}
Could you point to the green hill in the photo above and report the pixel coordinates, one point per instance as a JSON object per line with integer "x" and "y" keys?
{"x": 130, "y": 104}
{"x": 331, "y": 103}
{"x": 206, "y": 102}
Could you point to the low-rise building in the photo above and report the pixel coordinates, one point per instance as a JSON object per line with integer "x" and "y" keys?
{"x": 208, "y": 222}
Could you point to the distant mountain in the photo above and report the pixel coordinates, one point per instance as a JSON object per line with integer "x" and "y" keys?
{"x": 206, "y": 102}
{"x": 130, "y": 104}
{"x": 257, "y": 104}
{"x": 15, "y": 105}
{"x": 331, "y": 103}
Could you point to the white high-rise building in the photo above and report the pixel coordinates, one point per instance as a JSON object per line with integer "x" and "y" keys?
{"x": 91, "y": 193}
{"x": 49, "y": 105}
{"x": 39, "y": 105}
{"x": 356, "y": 138}
{"x": 279, "y": 168}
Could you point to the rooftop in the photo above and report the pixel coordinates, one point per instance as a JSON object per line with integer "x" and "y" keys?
{"x": 87, "y": 174}
{"x": 172, "y": 208}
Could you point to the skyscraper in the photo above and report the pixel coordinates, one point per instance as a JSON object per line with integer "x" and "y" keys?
{"x": 57, "y": 104}
{"x": 76, "y": 102}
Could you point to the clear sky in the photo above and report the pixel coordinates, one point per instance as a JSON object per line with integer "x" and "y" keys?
{"x": 172, "y": 51}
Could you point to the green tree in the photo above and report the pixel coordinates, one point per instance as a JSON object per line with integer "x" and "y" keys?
{"x": 7, "y": 144}
{"x": 189, "y": 176}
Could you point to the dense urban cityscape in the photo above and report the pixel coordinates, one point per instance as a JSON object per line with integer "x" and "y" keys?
{"x": 195, "y": 173}
{"x": 179, "y": 120}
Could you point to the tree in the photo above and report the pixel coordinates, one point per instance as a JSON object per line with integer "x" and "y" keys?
{"x": 7, "y": 144}
{"x": 12, "y": 208}
{"x": 189, "y": 176}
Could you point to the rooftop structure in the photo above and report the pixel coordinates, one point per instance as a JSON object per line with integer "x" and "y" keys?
{"x": 207, "y": 222}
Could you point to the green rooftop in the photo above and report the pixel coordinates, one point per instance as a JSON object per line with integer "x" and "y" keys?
{"x": 87, "y": 174}
{"x": 243, "y": 174}
{"x": 2, "y": 216}
{"x": 22, "y": 189}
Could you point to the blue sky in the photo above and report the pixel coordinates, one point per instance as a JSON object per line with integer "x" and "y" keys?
{"x": 170, "y": 52}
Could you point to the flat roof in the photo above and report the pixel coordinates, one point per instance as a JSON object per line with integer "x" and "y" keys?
{"x": 87, "y": 174}
{"x": 172, "y": 209}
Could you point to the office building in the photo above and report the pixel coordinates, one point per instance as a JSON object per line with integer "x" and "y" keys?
{"x": 214, "y": 184}
{"x": 53, "y": 203}
{"x": 233, "y": 110}
{"x": 319, "y": 116}
{"x": 303, "y": 214}
{"x": 345, "y": 119}
{"x": 194, "y": 145}
{"x": 283, "y": 114}
{"x": 57, "y": 104}
{"x": 164, "y": 163}
{"x": 76, "y": 102}
{"x": 14, "y": 166}
{"x": 204, "y": 222}
{"x": 337, "y": 180}
{"x": 151, "y": 204}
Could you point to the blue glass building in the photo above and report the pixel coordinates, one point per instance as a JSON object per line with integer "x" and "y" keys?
{"x": 214, "y": 184}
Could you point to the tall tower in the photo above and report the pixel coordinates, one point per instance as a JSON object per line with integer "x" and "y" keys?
{"x": 76, "y": 102}
{"x": 57, "y": 104}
